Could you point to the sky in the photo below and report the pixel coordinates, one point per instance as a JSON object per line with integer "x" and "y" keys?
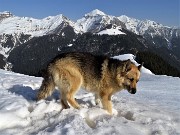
{"x": 166, "y": 12}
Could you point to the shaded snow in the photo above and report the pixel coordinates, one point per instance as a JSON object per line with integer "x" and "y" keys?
{"x": 154, "y": 110}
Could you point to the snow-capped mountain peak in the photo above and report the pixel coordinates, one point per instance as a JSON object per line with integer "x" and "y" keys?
{"x": 95, "y": 12}
{"x": 32, "y": 26}
{"x": 141, "y": 26}
{"x": 97, "y": 21}
{"x": 5, "y": 14}
{"x": 13, "y": 27}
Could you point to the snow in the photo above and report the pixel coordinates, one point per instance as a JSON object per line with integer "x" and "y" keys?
{"x": 94, "y": 22}
{"x": 113, "y": 31}
{"x": 34, "y": 27}
{"x": 95, "y": 12}
{"x": 70, "y": 45}
{"x": 153, "y": 110}
{"x": 141, "y": 26}
{"x": 132, "y": 57}
{"x": 4, "y": 51}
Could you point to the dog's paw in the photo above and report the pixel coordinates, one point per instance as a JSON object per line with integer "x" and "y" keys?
{"x": 114, "y": 112}
{"x": 97, "y": 101}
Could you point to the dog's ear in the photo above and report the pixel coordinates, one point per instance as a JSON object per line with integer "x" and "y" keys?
{"x": 127, "y": 66}
{"x": 140, "y": 66}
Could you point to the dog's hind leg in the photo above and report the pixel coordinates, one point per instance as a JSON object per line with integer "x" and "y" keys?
{"x": 70, "y": 82}
{"x": 76, "y": 82}
{"x": 62, "y": 82}
{"x": 64, "y": 100}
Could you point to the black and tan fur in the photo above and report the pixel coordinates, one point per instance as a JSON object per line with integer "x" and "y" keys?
{"x": 98, "y": 74}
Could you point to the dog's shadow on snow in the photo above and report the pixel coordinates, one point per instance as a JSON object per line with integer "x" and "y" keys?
{"x": 30, "y": 94}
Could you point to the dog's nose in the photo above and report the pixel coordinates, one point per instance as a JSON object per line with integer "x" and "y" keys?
{"x": 133, "y": 90}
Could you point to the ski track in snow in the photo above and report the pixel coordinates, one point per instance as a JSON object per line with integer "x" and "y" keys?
{"x": 154, "y": 110}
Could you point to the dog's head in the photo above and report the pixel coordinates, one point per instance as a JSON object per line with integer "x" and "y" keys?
{"x": 129, "y": 76}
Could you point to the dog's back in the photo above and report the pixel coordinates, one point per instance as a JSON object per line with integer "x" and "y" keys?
{"x": 84, "y": 61}
{"x": 89, "y": 66}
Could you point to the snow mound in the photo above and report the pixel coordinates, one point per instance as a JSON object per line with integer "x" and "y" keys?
{"x": 132, "y": 57}
{"x": 113, "y": 31}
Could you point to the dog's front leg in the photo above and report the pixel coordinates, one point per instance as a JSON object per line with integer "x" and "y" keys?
{"x": 106, "y": 101}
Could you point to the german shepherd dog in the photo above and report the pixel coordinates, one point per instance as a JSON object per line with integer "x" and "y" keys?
{"x": 101, "y": 75}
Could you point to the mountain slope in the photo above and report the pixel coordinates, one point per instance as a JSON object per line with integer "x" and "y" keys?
{"x": 158, "y": 34}
{"x": 165, "y": 39}
{"x": 30, "y": 58}
{"x": 108, "y": 35}
{"x": 12, "y": 28}
{"x": 31, "y": 26}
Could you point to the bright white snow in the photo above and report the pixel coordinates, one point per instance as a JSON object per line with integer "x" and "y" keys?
{"x": 34, "y": 27}
{"x": 153, "y": 110}
{"x": 113, "y": 31}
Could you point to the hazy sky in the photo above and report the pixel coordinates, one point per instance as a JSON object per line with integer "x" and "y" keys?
{"x": 166, "y": 12}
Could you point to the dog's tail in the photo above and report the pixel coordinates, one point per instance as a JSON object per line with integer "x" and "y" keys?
{"x": 46, "y": 88}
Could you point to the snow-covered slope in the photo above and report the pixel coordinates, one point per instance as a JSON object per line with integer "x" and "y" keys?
{"x": 95, "y": 21}
{"x": 153, "y": 110}
{"x": 31, "y": 26}
{"x": 143, "y": 27}
{"x": 12, "y": 28}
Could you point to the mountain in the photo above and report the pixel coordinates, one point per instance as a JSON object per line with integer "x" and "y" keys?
{"x": 25, "y": 41}
{"x": 97, "y": 21}
{"x": 16, "y": 30}
{"x": 30, "y": 26}
{"x": 159, "y": 34}
{"x": 163, "y": 37}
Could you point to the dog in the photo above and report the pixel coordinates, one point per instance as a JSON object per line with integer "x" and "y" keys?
{"x": 101, "y": 75}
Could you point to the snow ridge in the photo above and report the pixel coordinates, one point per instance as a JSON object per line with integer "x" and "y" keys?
{"x": 94, "y": 21}
{"x": 141, "y": 27}
{"x": 95, "y": 12}
{"x": 31, "y": 26}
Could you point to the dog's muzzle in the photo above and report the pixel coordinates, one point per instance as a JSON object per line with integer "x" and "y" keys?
{"x": 132, "y": 91}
